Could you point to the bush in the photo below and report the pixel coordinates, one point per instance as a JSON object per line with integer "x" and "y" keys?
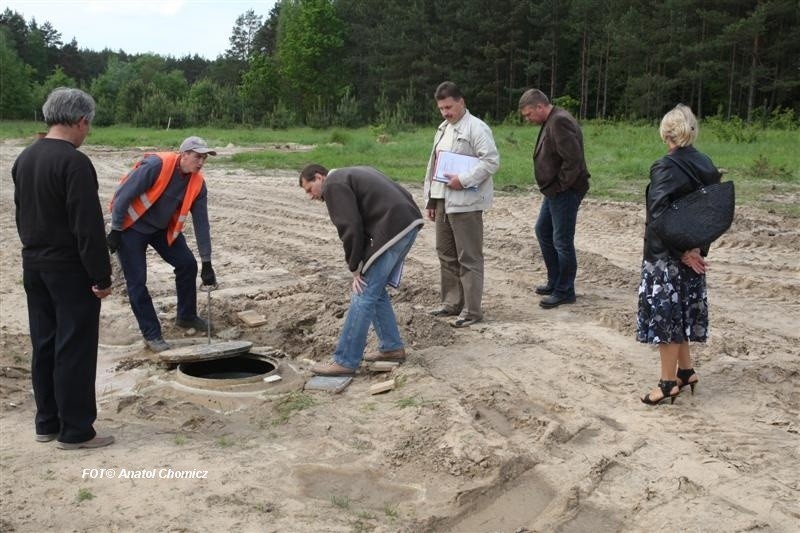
{"x": 339, "y": 137}
{"x": 568, "y": 103}
{"x": 762, "y": 169}
{"x": 733, "y": 130}
{"x": 347, "y": 113}
{"x": 281, "y": 117}
{"x": 319, "y": 116}
{"x": 512, "y": 119}
{"x": 783, "y": 119}
{"x": 393, "y": 119}
{"x": 155, "y": 111}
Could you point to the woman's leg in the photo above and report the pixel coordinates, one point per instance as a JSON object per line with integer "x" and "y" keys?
{"x": 669, "y": 367}
{"x": 684, "y": 359}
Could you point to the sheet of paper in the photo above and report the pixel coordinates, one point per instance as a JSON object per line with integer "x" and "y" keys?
{"x": 453, "y": 163}
{"x": 395, "y": 276}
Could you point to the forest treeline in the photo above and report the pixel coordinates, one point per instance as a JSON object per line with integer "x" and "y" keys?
{"x": 356, "y": 62}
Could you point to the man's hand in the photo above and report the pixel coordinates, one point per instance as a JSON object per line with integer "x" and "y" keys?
{"x": 695, "y": 261}
{"x": 101, "y": 293}
{"x": 358, "y": 283}
{"x": 113, "y": 240}
{"x": 454, "y": 182}
{"x": 207, "y": 274}
{"x": 430, "y": 213}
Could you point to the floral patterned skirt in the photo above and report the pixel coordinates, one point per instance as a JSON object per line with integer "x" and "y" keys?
{"x": 673, "y": 304}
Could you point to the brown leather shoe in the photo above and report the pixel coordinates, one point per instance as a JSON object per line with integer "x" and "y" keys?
{"x": 96, "y": 442}
{"x": 396, "y": 356}
{"x": 332, "y": 368}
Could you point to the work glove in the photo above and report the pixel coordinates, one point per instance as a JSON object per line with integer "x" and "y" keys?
{"x": 113, "y": 239}
{"x": 207, "y": 274}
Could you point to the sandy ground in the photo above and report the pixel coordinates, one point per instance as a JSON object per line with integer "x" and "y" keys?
{"x": 530, "y": 421}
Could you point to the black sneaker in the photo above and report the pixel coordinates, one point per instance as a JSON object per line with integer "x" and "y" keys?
{"x": 192, "y": 323}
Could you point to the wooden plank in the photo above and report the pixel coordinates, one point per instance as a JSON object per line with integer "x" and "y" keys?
{"x": 383, "y": 386}
{"x": 252, "y": 318}
{"x": 382, "y": 366}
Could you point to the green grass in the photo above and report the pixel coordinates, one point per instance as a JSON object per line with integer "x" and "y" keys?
{"x": 224, "y": 442}
{"x": 342, "y": 502}
{"x": 294, "y": 401}
{"x": 619, "y": 155}
{"x": 408, "y": 401}
{"x": 83, "y": 495}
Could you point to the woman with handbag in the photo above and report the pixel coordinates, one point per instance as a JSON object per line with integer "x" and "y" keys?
{"x": 673, "y": 309}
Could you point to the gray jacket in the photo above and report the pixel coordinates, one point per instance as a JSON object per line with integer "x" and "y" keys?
{"x": 473, "y": 137}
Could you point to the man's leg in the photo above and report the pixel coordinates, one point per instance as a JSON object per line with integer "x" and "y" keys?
{"x": 564, "y": 208}
{"x": 468, "y": 236}
{"x": 78, "y": 320}
{"x": 42, "y": 322}
{"x": 362, "y": 311}
{"x": 384, "y": 320}
{"x": 133, "y": 259}
{"x": 544, "y": 234}
{"x": 183, "y": 261}
{"x": 450, "y": 270}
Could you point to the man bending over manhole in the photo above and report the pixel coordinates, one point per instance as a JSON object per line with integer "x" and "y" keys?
{"x": 377, "y": 221}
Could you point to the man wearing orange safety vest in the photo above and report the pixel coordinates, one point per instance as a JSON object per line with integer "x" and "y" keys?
{"x": 149, "y": 208}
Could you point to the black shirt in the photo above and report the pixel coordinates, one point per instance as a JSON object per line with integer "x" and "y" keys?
{"x": 58, "y": 213}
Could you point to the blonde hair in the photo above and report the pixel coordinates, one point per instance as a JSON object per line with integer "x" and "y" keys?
{"x": 679, "y": 125}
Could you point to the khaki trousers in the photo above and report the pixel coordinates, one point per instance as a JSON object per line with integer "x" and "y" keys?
{"x": 459, "y": 244}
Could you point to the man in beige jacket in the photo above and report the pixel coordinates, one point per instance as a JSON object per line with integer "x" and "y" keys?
{"x": 457, "y": 206}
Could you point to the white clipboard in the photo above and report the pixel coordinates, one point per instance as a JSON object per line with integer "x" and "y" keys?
{"x": 452, "y": 163}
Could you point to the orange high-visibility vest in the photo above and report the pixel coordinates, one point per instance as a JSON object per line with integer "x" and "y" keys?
{"x": 141, "y": 204}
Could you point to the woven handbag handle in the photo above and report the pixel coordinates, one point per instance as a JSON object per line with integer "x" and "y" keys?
{"x": 686, "y": 170}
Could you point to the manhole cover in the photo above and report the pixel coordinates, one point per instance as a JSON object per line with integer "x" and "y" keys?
{"x": 205, "y": 352}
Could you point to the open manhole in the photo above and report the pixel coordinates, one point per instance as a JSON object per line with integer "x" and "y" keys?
{"x": 224, "y": 366}
{"x": 246, "y": 372}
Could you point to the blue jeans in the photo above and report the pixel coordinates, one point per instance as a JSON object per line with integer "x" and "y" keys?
{"x": 373, "y": 306}
{"x": 132, "y": 256}
{"x": 555, "y": 230}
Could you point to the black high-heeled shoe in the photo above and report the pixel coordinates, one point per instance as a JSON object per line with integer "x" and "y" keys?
{"x": 684, "y": 374}
{"x": 666, "y": 388}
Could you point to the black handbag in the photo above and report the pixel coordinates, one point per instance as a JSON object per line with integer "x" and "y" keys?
{"x": 698, "y": 218}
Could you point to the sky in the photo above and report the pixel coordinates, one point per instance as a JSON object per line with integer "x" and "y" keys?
{"x": 166, "y": 27}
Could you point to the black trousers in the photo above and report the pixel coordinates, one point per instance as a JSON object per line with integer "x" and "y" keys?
{"x": 64, "y": 317}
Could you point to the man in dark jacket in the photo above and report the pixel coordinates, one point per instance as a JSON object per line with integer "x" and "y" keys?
{"x": 65, "y": 270}
{"x": 562, "y": 177}
{"x": 377, "y": 221}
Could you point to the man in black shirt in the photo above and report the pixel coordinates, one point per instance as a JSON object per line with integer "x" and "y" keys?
{"x": 66, "y": 270}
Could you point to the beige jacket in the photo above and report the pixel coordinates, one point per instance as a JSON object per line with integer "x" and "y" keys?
{"x": 473, "y": 137}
